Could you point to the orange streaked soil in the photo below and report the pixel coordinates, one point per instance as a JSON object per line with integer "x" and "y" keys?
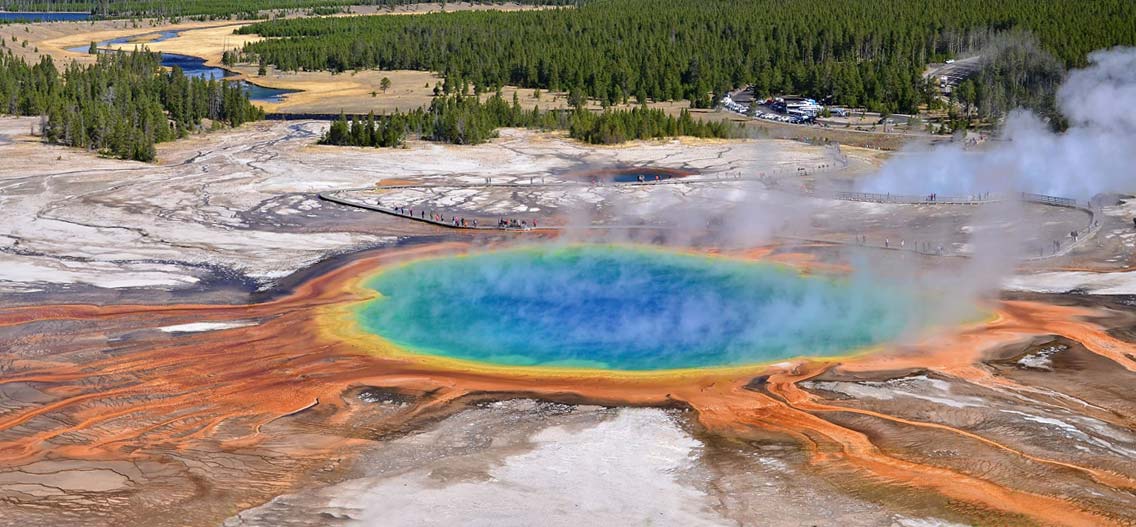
{"x": 115, "y": 389}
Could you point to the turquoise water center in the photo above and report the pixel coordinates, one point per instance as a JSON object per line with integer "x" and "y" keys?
{"x": 625, "y": 308}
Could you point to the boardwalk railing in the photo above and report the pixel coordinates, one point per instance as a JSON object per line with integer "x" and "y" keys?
{"x": 1059, "y": 247}
{"x": 908, "y": 199}
{"x": 936, "y": 199}
{"x": 455, "y": 224}
{"x": 1053, "y": 200}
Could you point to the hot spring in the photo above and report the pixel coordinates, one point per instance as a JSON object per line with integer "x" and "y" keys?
{"x": 625, "y": 308}
{"x": 632, "y": 175}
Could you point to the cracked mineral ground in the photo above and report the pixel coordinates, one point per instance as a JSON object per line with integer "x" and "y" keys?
{"x": 181, "y": 341}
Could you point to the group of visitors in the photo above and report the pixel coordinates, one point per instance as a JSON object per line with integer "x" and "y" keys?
{"x": 920, "y": 247}
{"x": 459, "y": 222}
{"x": 934, "y": 196}
{"x": 513, "y": 223}
{"x": 454, "y": 221}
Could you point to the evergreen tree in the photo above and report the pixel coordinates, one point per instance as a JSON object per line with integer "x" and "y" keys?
{"x": 855, "y": 53}
{"x": 121, "y": 105}
{"x": 467, "y": 120}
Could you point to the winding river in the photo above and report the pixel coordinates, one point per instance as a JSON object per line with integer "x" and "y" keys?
{"x": 195, "y": 67}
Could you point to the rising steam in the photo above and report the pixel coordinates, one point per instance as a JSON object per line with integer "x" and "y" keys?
{"x": 1096, "y": 154}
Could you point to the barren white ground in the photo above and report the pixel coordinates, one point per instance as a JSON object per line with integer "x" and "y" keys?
{"x": 242, "y": 204}
{"x": 521, "y": 462}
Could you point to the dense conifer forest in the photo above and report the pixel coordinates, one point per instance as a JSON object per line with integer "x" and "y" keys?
{"x": 121, "y": 105}
{"x": 460, "y": 119}
{"x": 214, "y": 9}
{"x": 868, "y": 53}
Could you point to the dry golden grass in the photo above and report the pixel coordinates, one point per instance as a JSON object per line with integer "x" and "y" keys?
{"x": 360, "y": 92}
{"x": 317, "y": 92}
{"x": 56, "y": 39}
{"x": 208, "y": 43}
{"x": 53, "y": 38}
{"x": 355, "y": 92}
{"x": 320, "y": 92}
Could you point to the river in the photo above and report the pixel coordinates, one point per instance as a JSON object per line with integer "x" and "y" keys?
{"x": 195, "y": 67}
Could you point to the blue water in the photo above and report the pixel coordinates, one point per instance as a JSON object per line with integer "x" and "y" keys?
{"x": 195, "y": 67}
{"x": 632, "y": 177}
{"x": 262, "y": 94}
{"x": 42, "y": 17}
{"x": 626, "y": 309}
{"x": 162, "y": 35}
{"x": 120, "y": 41}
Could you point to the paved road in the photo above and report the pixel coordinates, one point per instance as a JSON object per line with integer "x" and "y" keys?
{"x": 956, "y": 71}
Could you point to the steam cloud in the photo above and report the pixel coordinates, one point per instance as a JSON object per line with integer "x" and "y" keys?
{"x": 1096, "y": 154}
